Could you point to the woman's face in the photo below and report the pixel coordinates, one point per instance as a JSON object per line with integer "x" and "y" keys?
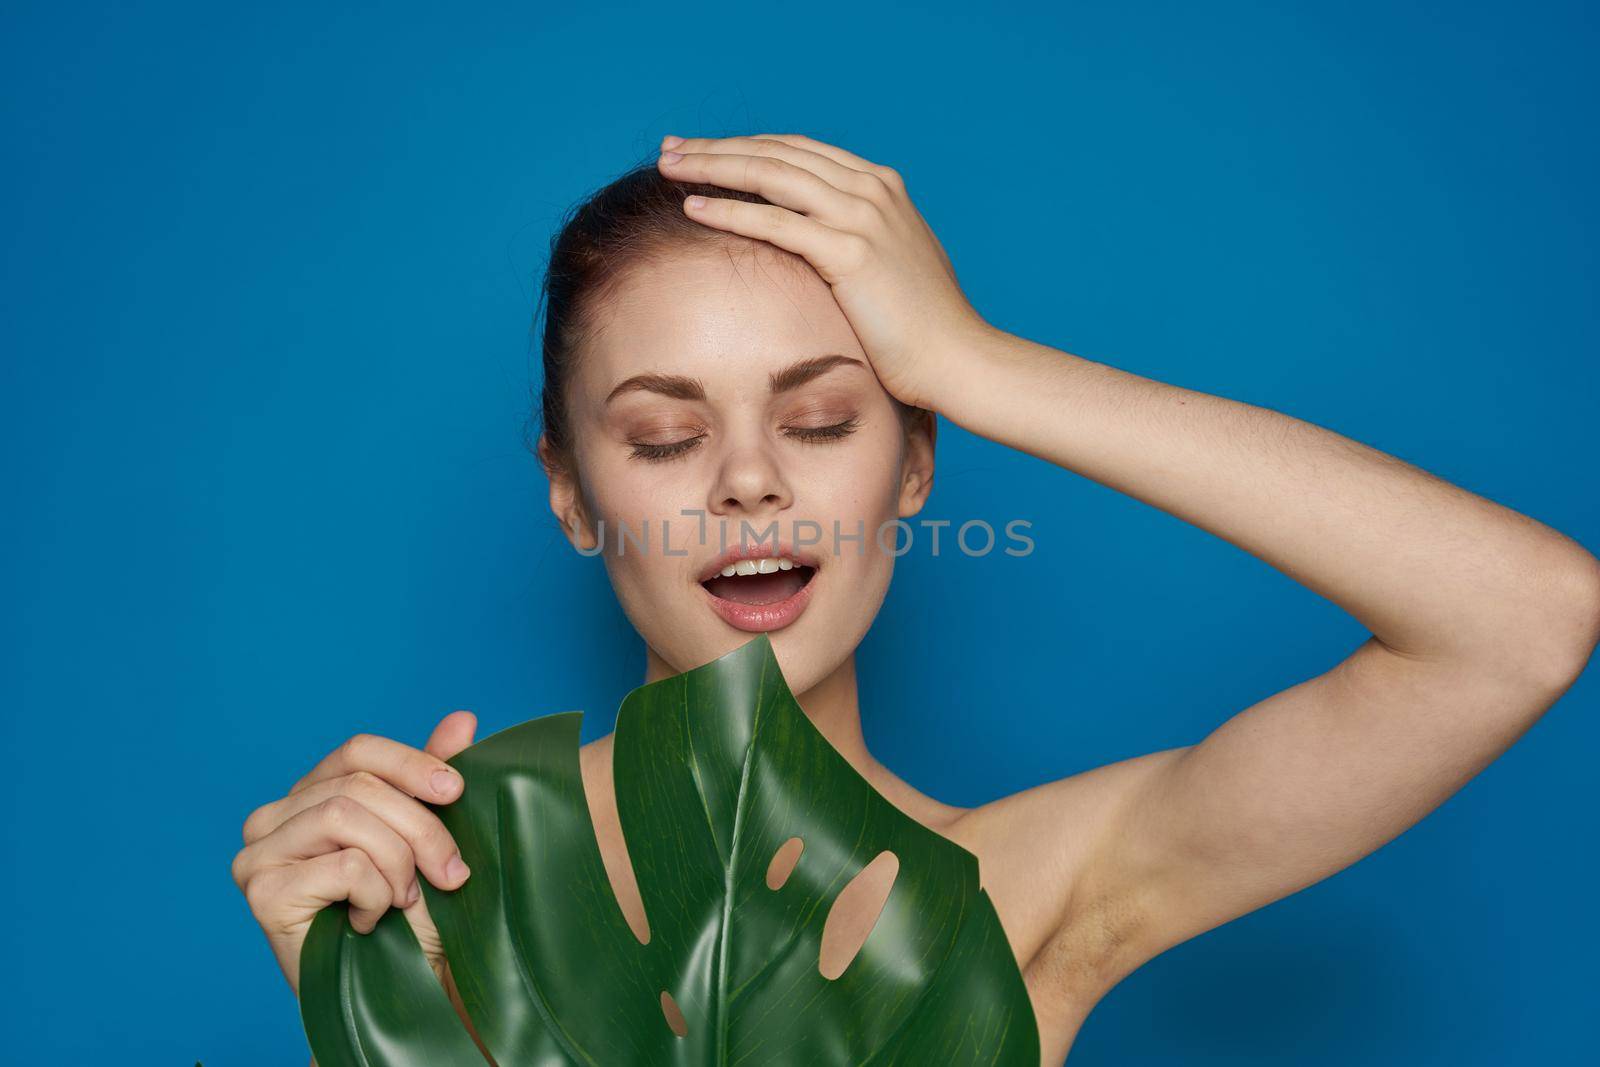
{"x": 682, "y": 422}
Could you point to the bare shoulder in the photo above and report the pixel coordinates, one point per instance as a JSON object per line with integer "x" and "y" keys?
{"x": 1038, "y": 851}
{"x": 1077, "y": 925}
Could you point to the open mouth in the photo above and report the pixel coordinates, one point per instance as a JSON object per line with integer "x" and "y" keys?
{"x": 761, "y": 588}
{"x": 760, "y": 594}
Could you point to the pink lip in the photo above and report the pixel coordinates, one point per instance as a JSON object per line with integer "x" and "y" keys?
{"x": 757, "y": 618}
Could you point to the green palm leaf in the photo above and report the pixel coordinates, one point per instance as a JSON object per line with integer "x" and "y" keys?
{"x": 715, "y": 769}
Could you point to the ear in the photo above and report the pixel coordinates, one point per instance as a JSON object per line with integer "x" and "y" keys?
{"x": 916, "y": 479}
{"x": 566, "y": 502}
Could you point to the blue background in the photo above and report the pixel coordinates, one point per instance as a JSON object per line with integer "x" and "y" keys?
{"x": 267, "y": 282}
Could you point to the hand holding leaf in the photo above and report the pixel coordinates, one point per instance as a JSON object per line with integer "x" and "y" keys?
{"x": 715, "y": 770}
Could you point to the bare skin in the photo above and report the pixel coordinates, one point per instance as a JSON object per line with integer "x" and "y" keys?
{"x": 1480, "y": 617}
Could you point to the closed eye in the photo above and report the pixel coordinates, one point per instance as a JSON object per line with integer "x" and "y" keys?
{"x": 672, "y": 450}
{"x": 645, "y": 450}
{"x": 824, "y": 433}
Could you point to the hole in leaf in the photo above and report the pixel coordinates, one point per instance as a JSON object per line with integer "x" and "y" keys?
{"x": 441, "y": 971}
{"x": 675, "y": 1019}
{"x": 854, "y": 913}
{"x": 599, "y": 791}
{"x": 783, "y": 862}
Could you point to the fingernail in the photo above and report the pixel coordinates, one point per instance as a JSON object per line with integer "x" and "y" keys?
{"x": 671, "y": 157}
{"x": 412, "y": 893}
{"x": 671, "y": 141}
{"x": 445, "y": 783}
{"x": 456, "y": 870}
{"x": 695, "y": 202}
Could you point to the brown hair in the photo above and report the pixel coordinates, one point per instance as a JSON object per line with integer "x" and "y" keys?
{"x": 621, "y": 226}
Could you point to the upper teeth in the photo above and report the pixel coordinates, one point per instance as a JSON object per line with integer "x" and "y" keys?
{"x": 758, "y": 566}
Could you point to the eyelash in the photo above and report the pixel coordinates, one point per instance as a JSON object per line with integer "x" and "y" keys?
{"x": 811, "y": 434}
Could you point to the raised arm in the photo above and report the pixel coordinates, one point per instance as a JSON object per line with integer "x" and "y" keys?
{"x": 1480, "y": 617}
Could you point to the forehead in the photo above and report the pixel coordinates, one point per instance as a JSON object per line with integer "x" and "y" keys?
{"x": 714, "y": 309}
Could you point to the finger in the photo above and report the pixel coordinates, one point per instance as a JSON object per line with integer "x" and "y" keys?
{"x": 828, "y": 250}
{"x": 419, "y": 773}
{"x": 779, "y": 181}
{"x": 427, "y": 932}
{"x": 348, "y": 874}
{"x": 835, "y": 173}
{"x": 453, "y": 734}
{"x": 432, "y": 847}
{"x": 890, "y": 178}
{"x": 334, "y": 824}
{"x": 798, "y": 140}
{"x": 823, "y": 148}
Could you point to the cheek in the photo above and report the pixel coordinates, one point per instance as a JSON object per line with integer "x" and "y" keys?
{"x": 858, "y": 490}
{"x": 865, "y": 481}
{"x": 621, "y": 491}
{"x": 649, "y": 543}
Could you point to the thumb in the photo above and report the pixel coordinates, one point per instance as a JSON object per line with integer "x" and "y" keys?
{"x": 453, "y": 734}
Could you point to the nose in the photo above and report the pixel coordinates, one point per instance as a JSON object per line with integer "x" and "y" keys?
{"x": 750, "y": 483}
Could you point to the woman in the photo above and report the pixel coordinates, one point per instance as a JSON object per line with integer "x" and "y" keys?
{"x": 771, "y": 350}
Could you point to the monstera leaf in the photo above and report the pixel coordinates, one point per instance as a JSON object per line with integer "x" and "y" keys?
{"x": 715, "y": 770}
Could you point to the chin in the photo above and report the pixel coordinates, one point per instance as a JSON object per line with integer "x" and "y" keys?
{"x": 804, "y": 657}
{"x": 809, "y": 643}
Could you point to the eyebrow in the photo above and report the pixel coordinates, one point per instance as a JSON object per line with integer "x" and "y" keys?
{"x": 680, "y": 387}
